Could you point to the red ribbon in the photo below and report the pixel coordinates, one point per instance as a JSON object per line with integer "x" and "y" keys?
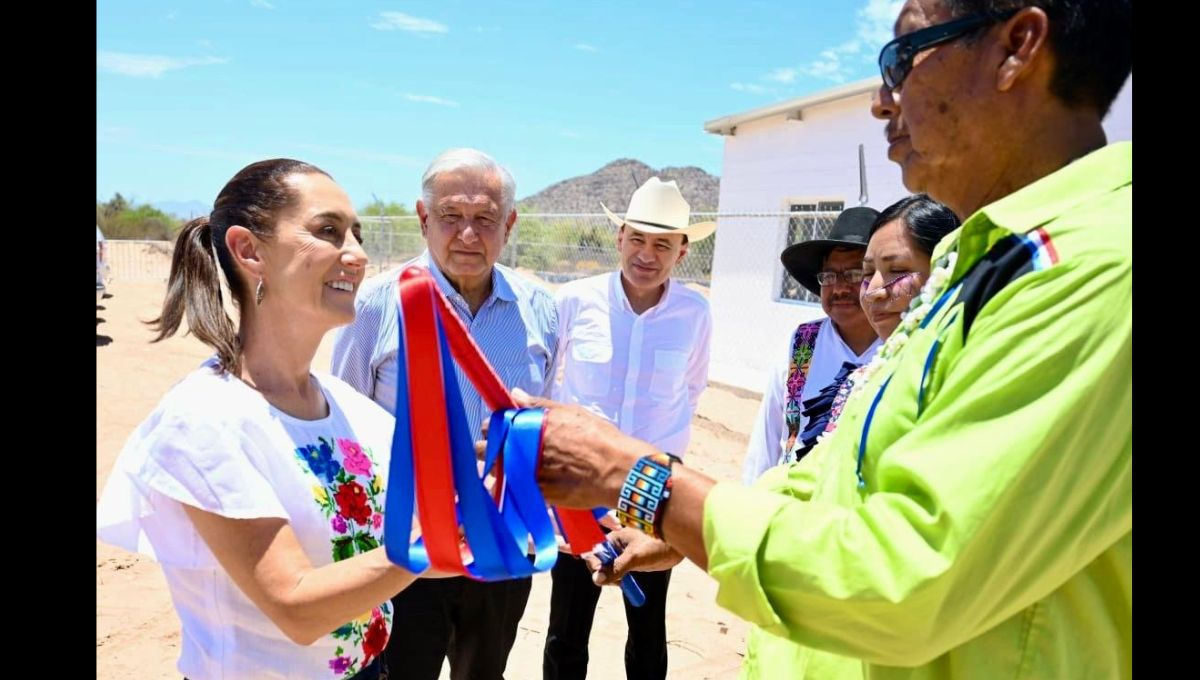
{"x": 420, "y": 299}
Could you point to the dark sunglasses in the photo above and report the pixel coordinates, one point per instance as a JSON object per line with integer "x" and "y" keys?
{"x": 896, "y": 57}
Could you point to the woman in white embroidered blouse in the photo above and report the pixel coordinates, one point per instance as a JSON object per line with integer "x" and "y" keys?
{"x": 257, "y": 485}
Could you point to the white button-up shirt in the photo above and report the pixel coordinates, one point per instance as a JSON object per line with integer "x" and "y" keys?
{"x": 643, "y": 372}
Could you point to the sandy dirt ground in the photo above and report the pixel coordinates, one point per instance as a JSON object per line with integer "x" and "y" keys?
{"x": 137, "y": 631}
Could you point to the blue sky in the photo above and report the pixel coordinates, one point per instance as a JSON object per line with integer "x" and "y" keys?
{"x": 189, "y": 92}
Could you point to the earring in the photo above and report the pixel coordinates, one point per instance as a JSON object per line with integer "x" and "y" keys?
{"x": 259, "y": 292}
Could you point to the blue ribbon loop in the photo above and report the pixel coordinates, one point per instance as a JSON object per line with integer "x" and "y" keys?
{"x": 497, "y": 536}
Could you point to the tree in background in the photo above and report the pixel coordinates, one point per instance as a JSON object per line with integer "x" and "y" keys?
{"x": 560, "y": 248}
{"x": 378, "y": 208}
{"x": 120, "y": 218}
{"x": 391, "y": 232}
{"x": 581, "y": 246}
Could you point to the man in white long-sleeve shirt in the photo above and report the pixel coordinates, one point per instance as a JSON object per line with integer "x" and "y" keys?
{"x": 634, "y": 348}
{"x": 819, "y": 354}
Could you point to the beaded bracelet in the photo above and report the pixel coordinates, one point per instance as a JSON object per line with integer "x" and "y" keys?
{"x": 646, "y": 489}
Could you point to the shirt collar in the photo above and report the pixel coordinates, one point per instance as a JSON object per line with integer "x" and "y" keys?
{"x": 868, "y": 353}
{"x": 619, "y": 292}
{"x": 501, "y": 287}
{"x": 1099, "y": 172}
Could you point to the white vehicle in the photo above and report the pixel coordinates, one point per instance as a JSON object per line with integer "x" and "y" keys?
{"x": 101, "y": 263}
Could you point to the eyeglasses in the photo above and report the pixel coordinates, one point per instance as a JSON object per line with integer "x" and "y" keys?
{"x": 905, "y": 286}
{"x": 850, "y": 276}
{"x": 896, "y": 57}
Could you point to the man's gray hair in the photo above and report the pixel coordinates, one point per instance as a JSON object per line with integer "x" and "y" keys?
{"x": 468, "y": 159}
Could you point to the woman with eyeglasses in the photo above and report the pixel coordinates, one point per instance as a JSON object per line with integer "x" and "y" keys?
{"x": 895, "y": 268}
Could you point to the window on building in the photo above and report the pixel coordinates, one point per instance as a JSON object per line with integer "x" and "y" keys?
{"x": 809, "y": 221}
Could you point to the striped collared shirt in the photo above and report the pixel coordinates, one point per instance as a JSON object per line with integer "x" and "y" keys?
{"x": 516, "y": 328}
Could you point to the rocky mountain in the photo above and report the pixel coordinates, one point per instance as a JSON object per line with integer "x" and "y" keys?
{"x": 615, "y": 182}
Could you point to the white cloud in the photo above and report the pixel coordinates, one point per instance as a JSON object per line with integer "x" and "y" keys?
{"x": 782, "y": 75}
{"x": 585, "y": 47}
{"x": 428, "y": 99}
{"x": 172, "y": 15}
{"x": 749, "y": 87}
{"x": 831, "y": 65}
{"x": 872, "y": 28}
{"x": 398, "y": 21}
{"x": 570, "y": 134}
{"x": 849, "y": 47}
{"x": 875, "y": 21}
{"x": 827, "y": 69}
{"x": 148, "y": 65}
{"x": 263, "y": 4}
{"x": 204, "y": 43}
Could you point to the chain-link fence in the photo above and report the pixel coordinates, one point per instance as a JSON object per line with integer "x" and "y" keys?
{"x": 755, "y": 303}
{"x": 804, "y": 223}
{"x": 554, "y": 247}
{"x": 136, "y": 260}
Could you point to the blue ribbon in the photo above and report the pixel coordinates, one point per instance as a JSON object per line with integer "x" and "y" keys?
{"x": 862, "y": 440}
{"x": 607, "y": 553}
{"x": 497, "y": 536}
{"x": 817, "y": 409}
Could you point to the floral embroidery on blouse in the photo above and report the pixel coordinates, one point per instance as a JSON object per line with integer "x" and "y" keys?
{"x": 348, "y": 491}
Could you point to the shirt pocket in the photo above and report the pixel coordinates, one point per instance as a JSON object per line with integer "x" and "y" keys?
{"x": 670, "y": 367}
{"x": 591, "y": 363}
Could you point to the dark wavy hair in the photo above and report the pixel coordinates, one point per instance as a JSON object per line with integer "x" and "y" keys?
{"x": 925, "y": 220}
{"x": 253, "y": 199}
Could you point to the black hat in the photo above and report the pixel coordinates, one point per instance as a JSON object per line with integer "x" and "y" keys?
{"x": 851, "y": 229}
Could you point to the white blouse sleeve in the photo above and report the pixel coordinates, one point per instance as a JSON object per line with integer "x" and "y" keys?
{"x": 173, "y": 460}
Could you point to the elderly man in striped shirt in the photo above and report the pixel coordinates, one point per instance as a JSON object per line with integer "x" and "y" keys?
{"x": 467, "y": 213}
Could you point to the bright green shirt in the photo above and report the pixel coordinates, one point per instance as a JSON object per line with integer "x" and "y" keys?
{"x": 992, "y": 534}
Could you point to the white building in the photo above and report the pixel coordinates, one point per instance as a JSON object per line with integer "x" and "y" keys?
{"x": 800, "y": 152}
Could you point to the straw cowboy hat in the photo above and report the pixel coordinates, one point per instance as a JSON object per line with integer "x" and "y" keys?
{"x": 657, "y": 207}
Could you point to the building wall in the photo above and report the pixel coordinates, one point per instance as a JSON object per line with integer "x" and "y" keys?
{"x": 768, "y": 165}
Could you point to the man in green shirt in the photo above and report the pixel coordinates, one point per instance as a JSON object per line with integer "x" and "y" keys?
{"x": 972, "y": 514}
